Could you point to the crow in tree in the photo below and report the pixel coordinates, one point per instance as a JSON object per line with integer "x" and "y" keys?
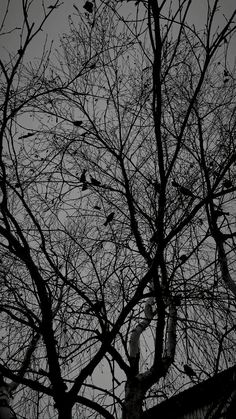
{"x": 52, "y": 7}
{"x": 183, "y": 190}
{"x": 97, "y": 207}
{"x": 88, "y": 7}
{"x": 175, "y": 184}
{"x": 95, "y": 182}
{"x": 30, "y": 134}
{"x": 183, "y": 258}
{"x": 227, "y": 184}
{"x": 83, "y": 180}
{"x": 189, "y": 371}
{"x": 83, "y": 176}
{"x": 109, "y": 218}
{"x": 96, "y": 307}
{"x": 77, "y": 123}
{"x": 186, "y": 192}
{"x": 219, "y": 213}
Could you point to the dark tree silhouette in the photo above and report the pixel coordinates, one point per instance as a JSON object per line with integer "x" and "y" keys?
{"x": 137, "y": 95}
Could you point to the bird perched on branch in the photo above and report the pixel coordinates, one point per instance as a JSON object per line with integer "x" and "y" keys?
{"x": 109, "y": 218}
{"x": 88, "y": 7}
{"x": 183, "y": 258}
{"x": 95, "y": 308}
{"x": 83, "y": 180}
{"x": 77, "y": 123}
{"x": 189, "y": 371}
{"x": 83, "y": 176}
{"x": 220, "y": 213}
{"x": 95, "y": 182}
{"x": 183, "y": 190}
{"x": 227, "y": 184}
{"x": 30, "y": 134}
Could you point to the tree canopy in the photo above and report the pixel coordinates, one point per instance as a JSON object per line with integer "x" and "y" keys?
{"x": 117, "y": 212}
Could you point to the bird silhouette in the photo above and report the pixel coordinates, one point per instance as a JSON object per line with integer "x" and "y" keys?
{"x": 175, "y": 184}
{"x": 185, "y": 191}
{"x": 77, "y": 123}
{"x": 227, "y": 184}
{"x": 97, "y": 207}
{"x": 183, "y": 258}
{"x": 30, "y": 134}
{"x": 95, "y": 182}
{"x": 109, "y": 218}
{"x": 220, "y": 213}
{"x": 88, "y": 7}
{"x": 95, "y": 308}
{"x": 189, "y": 371}
{"x": 83, "y": 176}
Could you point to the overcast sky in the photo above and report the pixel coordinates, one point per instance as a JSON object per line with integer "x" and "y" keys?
{"x": 58, "y": 22}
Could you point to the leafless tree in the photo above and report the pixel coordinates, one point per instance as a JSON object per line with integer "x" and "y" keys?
{"x": 117, "y": 228}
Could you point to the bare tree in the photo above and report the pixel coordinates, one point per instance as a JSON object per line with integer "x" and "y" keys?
{"x": 117, "y": 210}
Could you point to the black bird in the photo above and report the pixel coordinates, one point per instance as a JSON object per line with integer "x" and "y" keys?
{"x": 175, "y": 184}
{"x": 186, "y": 192}
{"x": 189, "y": 371}
{"x": 97, "y": 207}
{"x": 30, "y": 134}
{"x": 95, "y": 182}
{"x": 227, "y": 183}
{"x": 109, "y": 218}
{"x": 183, "y": 258}
{"x": 88, "y": 7}
{"x": 77, "y": 123}
{"x": 220, "y": 213}
{"x": 83, "y": 176}
{"x": 183, "y": 190}
{"x": 96, "y": 307}
{"x": 52, "y": 7}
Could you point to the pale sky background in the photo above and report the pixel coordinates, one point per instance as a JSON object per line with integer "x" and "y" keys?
{"x": 58, "y": 22}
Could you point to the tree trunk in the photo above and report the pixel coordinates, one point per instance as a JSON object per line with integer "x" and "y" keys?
{"x": 134, "y": 395}
{"x": 65, "y": 412}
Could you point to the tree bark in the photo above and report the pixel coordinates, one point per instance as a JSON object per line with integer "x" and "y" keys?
{"x": 134, "y": 399}
{"x": 65, "y": 412}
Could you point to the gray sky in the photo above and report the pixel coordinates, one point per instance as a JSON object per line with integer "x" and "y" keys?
{"x": 58, "y": 22}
